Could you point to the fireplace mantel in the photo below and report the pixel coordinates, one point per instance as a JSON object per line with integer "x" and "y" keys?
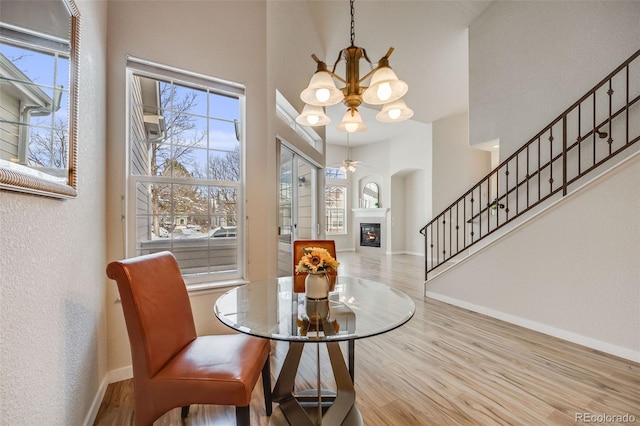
{"x": 380, "y": 212}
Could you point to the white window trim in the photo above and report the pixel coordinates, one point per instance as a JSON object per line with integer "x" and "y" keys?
{"x": 154, "y": 70}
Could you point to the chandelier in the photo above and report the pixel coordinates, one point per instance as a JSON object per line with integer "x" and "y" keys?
{"x": 385, "y": 89}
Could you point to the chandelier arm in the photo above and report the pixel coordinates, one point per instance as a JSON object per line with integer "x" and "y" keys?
{"x": 384, "y": 60}
{"x": 337, "y": 77}
{"x": 367, "y": 75}
{"x": 364, "y": 54}
{"x": 335, "y": 64}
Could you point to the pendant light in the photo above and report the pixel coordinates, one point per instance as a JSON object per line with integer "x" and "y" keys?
{"x": 385, "y": 88}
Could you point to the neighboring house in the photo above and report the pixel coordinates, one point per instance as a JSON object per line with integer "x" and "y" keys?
{"x": 21, "y": 99}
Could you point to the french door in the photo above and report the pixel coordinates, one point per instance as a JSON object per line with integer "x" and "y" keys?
{"x": 297, "y": 218}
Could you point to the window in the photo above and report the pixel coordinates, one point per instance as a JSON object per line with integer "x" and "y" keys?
{"x": 335, "y": 195}
{"x": 34, "y": 75}
{"x": 186, "y": 170}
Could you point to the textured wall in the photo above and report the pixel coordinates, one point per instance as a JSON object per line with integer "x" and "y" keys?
{"x": 52, "y": 322}
{"x": 530, "y": 60}
{"x": 572, "y": 272}
{"x": 230, "y": 43}
{"x": 456, "y": 166}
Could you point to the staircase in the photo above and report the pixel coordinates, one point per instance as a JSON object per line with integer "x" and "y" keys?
{"x": 592, "y": 134}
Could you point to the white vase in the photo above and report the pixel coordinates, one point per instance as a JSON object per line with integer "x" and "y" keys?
{"x": 316, "y": 286}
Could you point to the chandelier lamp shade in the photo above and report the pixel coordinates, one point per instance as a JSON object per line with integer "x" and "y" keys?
{"x": 384, "y": 89}
{"x": 394, "y": 111}
{"x": 313, "y": 115}
{"x": 352, "y": 122}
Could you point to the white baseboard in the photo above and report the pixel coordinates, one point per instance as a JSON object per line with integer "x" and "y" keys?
{"x": 95, "y": 404}
{"x": 588, "y": 342}
{"x": 120, "y": 374}
{"x": 409, "y": 253}
{"x": 111, "y": 377}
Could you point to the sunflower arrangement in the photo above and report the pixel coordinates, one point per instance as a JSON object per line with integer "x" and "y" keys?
{"x": 316, "y": 259}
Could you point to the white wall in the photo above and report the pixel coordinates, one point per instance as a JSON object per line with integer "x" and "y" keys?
{"x": 416, "y": 211}
{"x": 225, "y": 40}
{"x": 390, "y": 163}
{"x": 52, "y": 291}
{"x": 397, "y": 231}
{"x": 249, "y": 42}
{"x": 572, "y": 272}
{"x": 456, "y": 165}
{"x": 530, "y": 60}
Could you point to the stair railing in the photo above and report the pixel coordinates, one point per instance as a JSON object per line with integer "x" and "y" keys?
{"x": 599, "y": 126}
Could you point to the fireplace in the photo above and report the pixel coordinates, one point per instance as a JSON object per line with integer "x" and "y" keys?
{"x": 370, "y": 234}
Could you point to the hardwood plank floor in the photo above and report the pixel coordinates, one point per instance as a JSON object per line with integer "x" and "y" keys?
{"x": 447, "y": 366}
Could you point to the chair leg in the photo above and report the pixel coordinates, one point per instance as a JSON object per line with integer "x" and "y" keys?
{"x": 185, "y": 411}
{"x": 243, "y": 416}
{"x": 266, "y": 386}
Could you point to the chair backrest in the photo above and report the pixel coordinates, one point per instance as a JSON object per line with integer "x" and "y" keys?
{"x": 298, "y": 246}
{"x": 156, "y": 309}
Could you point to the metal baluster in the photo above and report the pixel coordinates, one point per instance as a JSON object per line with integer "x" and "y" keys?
{"x": 506, "y": 191}
{"x": 528, "y": 189}
{"x": 444, "y": 237}
{"x": 564, "y": 155}
{"x": 627, "y": 105}
{"x": 550, "y": 160}
{"x": 437, "y": 242}
{"x": 458, "y": 227}
{"x": 539, "y": 172}
{"x": 464, "y": 208}
{"x": 579, "y": 138}
{"x": 450, "y": 236}
{"x": 610, "y": 93}
{"x": 594, "y": 127}
{"x": 480, "y": 210}
{"x": 517, "y": 184}
{"x": 497, "y": 179}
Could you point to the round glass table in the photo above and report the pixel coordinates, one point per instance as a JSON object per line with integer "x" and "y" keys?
{"x": 355, "y": 309}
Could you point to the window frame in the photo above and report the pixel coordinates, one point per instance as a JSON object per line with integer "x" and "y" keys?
{"x": 336, "y": 182}
{"x": 163, "y": 73}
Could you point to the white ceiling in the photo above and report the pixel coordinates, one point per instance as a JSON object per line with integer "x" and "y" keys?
{"x": 431, "y": 55}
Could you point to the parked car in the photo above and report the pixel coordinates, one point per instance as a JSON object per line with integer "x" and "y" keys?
{"x": 225, "y": 232}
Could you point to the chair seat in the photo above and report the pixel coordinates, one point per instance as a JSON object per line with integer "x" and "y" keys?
{"x": 201, "y": 369}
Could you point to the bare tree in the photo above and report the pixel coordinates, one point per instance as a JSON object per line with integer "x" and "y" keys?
{"x": 50, "y": 149}
{"x": 171, "y": 154}
{"x": 225, "y": 168}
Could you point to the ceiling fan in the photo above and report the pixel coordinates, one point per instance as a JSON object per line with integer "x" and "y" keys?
{"x": 348, "y": 165}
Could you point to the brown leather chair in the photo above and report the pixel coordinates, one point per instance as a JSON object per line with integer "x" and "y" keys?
{"x": 298, "y": 284}
{"x": 172, "y": 367}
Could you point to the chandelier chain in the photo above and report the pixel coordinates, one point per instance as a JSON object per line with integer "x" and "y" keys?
{"x": 353, "y": 27}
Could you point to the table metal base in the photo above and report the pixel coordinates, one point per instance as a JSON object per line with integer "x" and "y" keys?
{"x": 353, "y": 418}
{"x": 307, "y": 407}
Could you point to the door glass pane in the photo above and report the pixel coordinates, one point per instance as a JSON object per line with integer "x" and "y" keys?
{"x": 286, "y": 195}
{"x": 297, "y": 205}
{"x": 305, "y": 223}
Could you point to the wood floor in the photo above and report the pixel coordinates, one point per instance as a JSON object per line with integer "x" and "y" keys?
{"x": 447, "y": 366}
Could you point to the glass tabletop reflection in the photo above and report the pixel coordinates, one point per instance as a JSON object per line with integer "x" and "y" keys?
{"x": 358, "y": 308}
